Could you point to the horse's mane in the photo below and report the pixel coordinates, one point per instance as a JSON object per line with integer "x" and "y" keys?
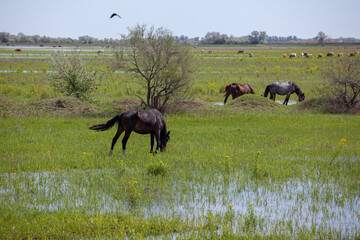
{"x": 297, "y": 88}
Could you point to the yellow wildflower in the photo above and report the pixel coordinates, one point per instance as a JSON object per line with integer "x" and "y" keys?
{"x": 230, "y": 206}
{"x": 250, "y": 204}
{"x": 342, "y": 141}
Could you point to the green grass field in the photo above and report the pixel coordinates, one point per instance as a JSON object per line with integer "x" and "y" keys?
{"x": 250, "y": 169}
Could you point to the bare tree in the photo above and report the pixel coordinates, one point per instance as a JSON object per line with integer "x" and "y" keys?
{"x": 162, "y": 66}
{"x": 343, "y": 84}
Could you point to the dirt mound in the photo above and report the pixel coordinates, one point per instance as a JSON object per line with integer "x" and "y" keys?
{"x": 124, "y": 105}
{"x": 182, "y": 106}
{"x": 8, "y": 107}
{"x": 329, "y": 105}
{"x": 60, "y": 106}
{"x": 252, "y": 102}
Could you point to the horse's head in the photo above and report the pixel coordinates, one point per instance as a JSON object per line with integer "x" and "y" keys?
{"x": 301, "y": 97}
{"x": 163, "y": 141}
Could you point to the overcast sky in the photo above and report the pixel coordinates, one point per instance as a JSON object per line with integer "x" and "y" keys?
{"x": 192, "y": 18}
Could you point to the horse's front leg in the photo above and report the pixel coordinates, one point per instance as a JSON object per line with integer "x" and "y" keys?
{"x": 151, "y": 142}
{"x": 272, "y": 96}
{"x": 286, "y": 99}
{"x": 226, "y": 97}
{"x": 157, "y": 137}
{"x": 234, "y": 94}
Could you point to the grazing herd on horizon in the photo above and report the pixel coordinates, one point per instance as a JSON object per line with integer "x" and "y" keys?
{"x": 293, "y": 55}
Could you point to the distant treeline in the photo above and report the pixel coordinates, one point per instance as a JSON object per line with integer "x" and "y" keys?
{"x": 37, "y": 39}
{"x": 210, "y": 38}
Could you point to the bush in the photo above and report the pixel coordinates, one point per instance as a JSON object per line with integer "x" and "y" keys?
{"x": 342, "y": 88}
{"x": 71, "y": 77}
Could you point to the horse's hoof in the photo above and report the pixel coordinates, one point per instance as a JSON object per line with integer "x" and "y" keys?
{"x": 124, "y": 152}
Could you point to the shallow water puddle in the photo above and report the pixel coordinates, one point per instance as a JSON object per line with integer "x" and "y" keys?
{"x": 298, "y": 203}
{"x": 291, "y": 102}
{"x": 218, "y": 103}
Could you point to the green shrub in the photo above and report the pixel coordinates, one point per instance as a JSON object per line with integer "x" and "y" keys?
{"x": 71, "y": 77}
{"x": 157, "y": 168}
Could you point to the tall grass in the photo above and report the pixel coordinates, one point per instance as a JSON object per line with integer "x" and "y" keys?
{"x": 227, "y": 173}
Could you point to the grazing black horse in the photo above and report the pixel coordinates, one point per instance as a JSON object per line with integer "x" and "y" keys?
{"x": 139, "y": 121}
{"x": 284, "y": 88}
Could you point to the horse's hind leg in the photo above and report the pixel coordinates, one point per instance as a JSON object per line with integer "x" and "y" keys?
{"x": 124, "y": 141}
{"x": 116, "y": 137}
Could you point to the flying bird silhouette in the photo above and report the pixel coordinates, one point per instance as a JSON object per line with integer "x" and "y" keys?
{"x": 114, "y": 14}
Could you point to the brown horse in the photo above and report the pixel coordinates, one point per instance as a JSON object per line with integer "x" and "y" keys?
{"x": 236, "y": 90}
{"x": 140, "y": 121}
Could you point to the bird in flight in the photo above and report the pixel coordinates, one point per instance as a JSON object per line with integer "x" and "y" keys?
{"x": 114, "y": 14}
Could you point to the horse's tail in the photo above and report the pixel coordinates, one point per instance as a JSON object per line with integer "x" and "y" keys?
{"x": 105, "y": 126}
{"x": 267, "y": 89}
{"x": 251, "y": 90}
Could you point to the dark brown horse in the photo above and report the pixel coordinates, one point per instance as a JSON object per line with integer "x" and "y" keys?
{"x": 236, "y": 90}
{"x": 140, "y": 121}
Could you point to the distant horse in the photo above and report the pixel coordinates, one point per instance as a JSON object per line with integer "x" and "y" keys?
{"x": 236, "y": 90}
{"x": 140, "y": 121}
{"x": 293, "y": 55}
{"x": 284, "y": 88}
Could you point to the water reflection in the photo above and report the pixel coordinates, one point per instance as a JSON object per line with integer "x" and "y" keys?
{"x": 300, "y": 203}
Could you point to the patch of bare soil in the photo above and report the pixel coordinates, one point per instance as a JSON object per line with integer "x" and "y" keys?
{"x": 182, "y": 106}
